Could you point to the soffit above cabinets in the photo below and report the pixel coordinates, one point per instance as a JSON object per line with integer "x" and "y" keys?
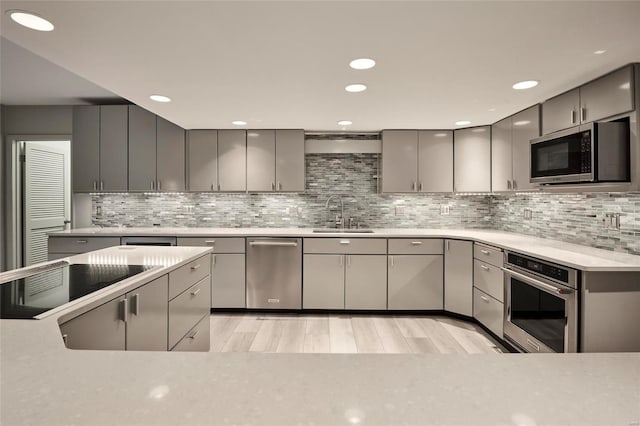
{"x": 285, "y": 64}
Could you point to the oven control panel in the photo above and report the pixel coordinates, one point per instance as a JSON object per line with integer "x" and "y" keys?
{"x": 554, "y": 272}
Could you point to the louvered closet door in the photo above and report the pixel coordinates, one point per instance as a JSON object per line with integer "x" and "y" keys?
{"x": 44, "y": 194}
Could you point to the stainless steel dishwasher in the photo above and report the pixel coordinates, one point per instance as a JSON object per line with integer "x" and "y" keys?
{"x": 274, "y": 273}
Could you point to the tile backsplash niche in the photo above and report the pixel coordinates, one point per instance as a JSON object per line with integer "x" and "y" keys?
{"x": 353, "y": 176}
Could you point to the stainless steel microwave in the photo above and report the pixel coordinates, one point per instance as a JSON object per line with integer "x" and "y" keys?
{"x": 595, "y": 152}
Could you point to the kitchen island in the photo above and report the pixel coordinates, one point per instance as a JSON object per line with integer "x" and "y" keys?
{"x": 44, "y": 383}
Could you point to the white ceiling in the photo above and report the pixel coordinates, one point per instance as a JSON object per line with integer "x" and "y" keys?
{"x": 285, "y": 64}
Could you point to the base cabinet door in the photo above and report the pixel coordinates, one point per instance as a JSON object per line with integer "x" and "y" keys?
{"x": 365, "y": 284}
{"x": 458, "y": 277}
{"x": 148, "y": 315}
{"x": 323, "y": 281}
{"x": 100, "y": 328}
{"x": 415, "y": 282}
{"x": 488, "y": 311}
{"x": 228, "y": 281}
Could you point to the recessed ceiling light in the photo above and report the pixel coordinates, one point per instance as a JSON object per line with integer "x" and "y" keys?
{"x": 527, "y": 84}
{"x": 440, "y": 135}
{"x": 160, "y": 98}
{"x": 356, "y": 87}
{"x": 521, "y": 122}
{"x": 239, "y": 123}
{"x": 30, "y": 20}
{"x": 491, "y": 109}
{"x": 345, "y": 123}
{"x": 462, "y": 122}
{"x": 362, "y": 63}
{"x": 599, "y": 52}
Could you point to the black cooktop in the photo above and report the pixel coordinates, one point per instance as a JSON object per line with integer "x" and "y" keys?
{"x": 28, "y": 297}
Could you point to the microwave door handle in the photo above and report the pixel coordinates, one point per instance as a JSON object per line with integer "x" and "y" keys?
{"x": 538, "y": 284}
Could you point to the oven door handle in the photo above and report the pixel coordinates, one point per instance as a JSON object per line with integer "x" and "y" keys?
{"x": 542, "y": 286}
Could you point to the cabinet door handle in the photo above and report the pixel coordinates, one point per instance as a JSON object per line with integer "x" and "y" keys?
{"x": 416, "y": 243}
{"x": 124, "y": 305}
{"x": 485, "y": 299}
{"x": 159, "y": 182}
{"x": 508, "y": 184}
{"x": 195, "y": 292}
{"x": 413, "y": 186}
{"x": 486, "y": 268}
{"x": 279, "y": 186}
{"x": 446, "y": 245}
{"x": 345, "y": 242}
{"x": 348, "y": 260}
{"x": 95, "y": 185}
{"x": 195, "y": 333}
{"x": 583, "y": 114}
{"x": 391, "y": 261}
{"x": 213, "y": 260}
{"x": 153, "y": 185}
{"x": 194, "y": 267}
{"x": 515, "y": 184}
{"x": 135, "y": 306}
{"x": 273, "y": 186}
{"x": 341, "y": 260}
{"x": 573, "y": 116}
{"x": 82, "y": 241}
{"x": 101, "y": 185}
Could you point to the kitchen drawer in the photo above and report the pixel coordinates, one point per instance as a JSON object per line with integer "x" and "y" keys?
{"x": 197, "y": 339}
{"x": 345, "y": 245}
{"x": 80, "y": 244}
{"x": 219, "y": 245}
{"x": 189, "y": 274}
{"x": 488, "y": 278}
{"x": 187, "y": 309}
{"x": 415, "y": 246}
{"x": 488, "y": 311}
{"x": 488, "y": 254}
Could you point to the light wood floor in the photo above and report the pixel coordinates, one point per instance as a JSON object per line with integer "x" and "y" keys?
{"x": 303, "y": 333}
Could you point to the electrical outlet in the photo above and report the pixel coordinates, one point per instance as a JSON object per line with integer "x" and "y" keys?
{"x": 444, "y": 209}
{"x": 399, "y": 210}
{"x": 612, "y": 221}
{"x": 527, "y": 214}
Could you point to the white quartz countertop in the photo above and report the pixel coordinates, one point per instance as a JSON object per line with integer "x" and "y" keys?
{"x": 573, "y": 255}
{"x": 44, "y": 383}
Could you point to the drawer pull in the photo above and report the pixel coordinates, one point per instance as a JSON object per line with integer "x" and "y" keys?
{"x": 194, "y": 267}
{"x": 210, "y": 242}
{"x": 485, "y": 252}
{"x": 486, "y": 268}
{"x": 195, "y": 292}
{"x": 416, "y": 243}
{"x": 82, "y": 241}
{"x": 195, "y": 333}
{"x": 345, "y": 242}
{"x": 485, "y": 299}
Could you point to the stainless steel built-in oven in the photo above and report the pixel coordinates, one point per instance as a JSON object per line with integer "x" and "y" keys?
{"x": 596, "y": 152}
{"x": 541, "y": 305}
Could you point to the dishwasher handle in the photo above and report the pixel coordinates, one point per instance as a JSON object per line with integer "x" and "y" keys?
{"x": 274, "y": 243}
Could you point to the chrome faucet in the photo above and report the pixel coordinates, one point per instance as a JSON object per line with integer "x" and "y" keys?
{"x": 340, "y": 218}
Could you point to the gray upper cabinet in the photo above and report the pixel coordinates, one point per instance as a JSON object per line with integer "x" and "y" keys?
{"x": 472, "y": 166}
{"x": 100, "y": 148}
{"x": 561, "y": 112}
{"x": 203, "y": 160}
{"x": 604, "y": 97}
{"x": 142, "y": 149}
{"x": 113, "y": 147}
{"x": 261, "y": 160}
{"x": 86, "y": 148}
{"x": 290, "y": 160}
{"x": 399, "y": 161}
{"x": 148, "y": 316}
{"x": 501, "y": 155}
{"x": 510, "y": 150}
{"x": 607, "y": 96}
{"x": 526, "y": 126}
{"x": 232, "y": 160}
{"x": 435, "y": 161}
{"x": 170, "y": 147}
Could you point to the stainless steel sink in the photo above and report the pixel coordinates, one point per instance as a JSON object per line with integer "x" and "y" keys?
{"x": 343, "y": 231}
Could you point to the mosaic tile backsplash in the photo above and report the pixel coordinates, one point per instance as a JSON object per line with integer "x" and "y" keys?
{"x": 574, "y": 218}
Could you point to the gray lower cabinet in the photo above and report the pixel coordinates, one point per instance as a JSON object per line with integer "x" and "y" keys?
{"x": 228, "y": 287}
{"x": 458, "y": 277}
{"x": 187, "y": 309}
{"x": 472, "y": 153}
{"x": 59, "y": 247}
{"x": 232, "y": 160}
{"x": 147, "y": 317}
{"x": 197, "y": 339}
{"x": 488, "y": 311}
{"x": 202, "y": 147}
{"x": 323, "y": 281}
{"x": 415, "y": 282}
{"x": 100, "y": 328}
{"x": 365, "y": 282}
